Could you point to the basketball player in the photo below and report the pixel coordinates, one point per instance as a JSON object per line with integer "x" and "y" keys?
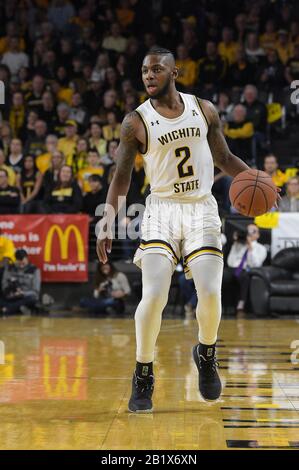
{"x": 180, "y": 138}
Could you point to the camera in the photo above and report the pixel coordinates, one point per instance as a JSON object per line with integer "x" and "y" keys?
{"x": 12, "y": 288}
{"x": 107, "y": 289}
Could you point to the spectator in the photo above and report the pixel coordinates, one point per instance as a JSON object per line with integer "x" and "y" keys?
{"x": 94, "y": 167}
{"x": 110, "y": 157}
{"x": 60, "y": 13}
{"x": 224, "y": 107}
{"x": 34, "y": 97}
{"x": 228, "y": 47}
{"x": 17, "y": 114}
{"x": 290, "y": 202}
{"x": 283, "y": 46}
{"x": 279, "y": 178}
{"x": 9, "y": 196}
{"x": 36, "y": 145}
{"x": 67, "y": 145}
{"x": 269, "y": 37}
{"x": 254, "y": 52}
{"x": 292, "y": 66}
{"x": 212, "y": 68}
{"x": 115, "y": 41}
{"x": 80, "y": 157}
{"x": 47, "y": 111}
{"x": 112, "y": 129}
{"x": 15, "y": 158}
{"x": 52, "y": 173}
{"x": 7, "y": 254}
{"x": 11, "y": 32}
{"x": 246, "y": 253}
{"x": 187, "y": 75}
{"x": 11, "y": 174}
{"x": 271, "y": 73}
{"x": 96, "y": 140}
{"x": 78, "y": 112}
{"x": 29, "y": 182}
{"x": 63, "y": 197}
{"x": 43, "y": 160}
{"x": 93, "y": 96}
{"x": 257, "y": 114}
{"x": 111, "y": 289}
{"x": 96, "y": 195}
{"x": 14, "y": 58}
{"x": 239, "y": 133}
{"x": 109, "y": 104}
{"x": 5, "y": 138}
{"x": 63, "y": 112}
{"x": 21, "y": 284}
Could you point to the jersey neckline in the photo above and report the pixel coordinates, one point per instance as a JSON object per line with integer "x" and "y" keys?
{"x": 172, "y": 119}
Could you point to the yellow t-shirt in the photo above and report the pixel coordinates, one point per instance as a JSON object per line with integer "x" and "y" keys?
{"x": 284, "y": 53}
{"x": 279, "y": 178}
{"x": 7, "y": 249}
{"x": 65, "y": 94}
{"x": 229, "y": 51}
{"x": 101, "y": 146}
{"x": 68, "y": 148}
{"x": 5, "y": 48}
{"x": 268, "y": 41}
{"x": 109, "y": 133}
{"x": 84, "y": 174}
{"x": 187, "y": 72}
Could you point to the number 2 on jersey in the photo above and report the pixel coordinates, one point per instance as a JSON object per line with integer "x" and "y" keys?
{"x": 183, "y": 172}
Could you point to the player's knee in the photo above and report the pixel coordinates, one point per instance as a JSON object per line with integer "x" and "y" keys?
{"x": 154, "y": 299}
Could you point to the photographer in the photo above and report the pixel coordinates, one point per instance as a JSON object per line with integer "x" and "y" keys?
{"x": 20, "y": 285}
{"x": 246, "y": 252}
{"x": 111, "y": 287}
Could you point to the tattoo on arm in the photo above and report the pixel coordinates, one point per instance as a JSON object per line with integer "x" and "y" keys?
{"x": 128, "y": 146}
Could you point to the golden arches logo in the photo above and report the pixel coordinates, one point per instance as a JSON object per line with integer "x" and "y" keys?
{"x": 64, "y": 236}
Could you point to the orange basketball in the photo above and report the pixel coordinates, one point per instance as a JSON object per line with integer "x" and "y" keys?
{"x": 252, "y": 193}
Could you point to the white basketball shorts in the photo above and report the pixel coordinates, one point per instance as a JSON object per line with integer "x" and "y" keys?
{"x": 187, "y": 230}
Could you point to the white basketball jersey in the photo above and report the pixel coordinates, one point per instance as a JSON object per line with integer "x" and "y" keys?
{"x": 177, "y": 161}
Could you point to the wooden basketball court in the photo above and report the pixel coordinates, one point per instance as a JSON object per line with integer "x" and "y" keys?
{"x": 65, "y": 384}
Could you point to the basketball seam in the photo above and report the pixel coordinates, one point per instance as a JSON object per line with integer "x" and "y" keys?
{"x": 244, "y": 189}
{"x": 257, "y": 175}
{"x": 262, "y": 182}
{"x": 266, "y": 201}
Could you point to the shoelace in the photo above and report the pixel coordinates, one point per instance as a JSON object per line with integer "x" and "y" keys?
{"x": 143, "y": 385}
{"x": 209, "y": 365}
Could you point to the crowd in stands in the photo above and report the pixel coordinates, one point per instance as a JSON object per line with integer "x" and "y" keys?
{"x": 71, "y": 71}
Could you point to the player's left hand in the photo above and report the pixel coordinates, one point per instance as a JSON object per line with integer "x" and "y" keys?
{"x": 104, "y": 241}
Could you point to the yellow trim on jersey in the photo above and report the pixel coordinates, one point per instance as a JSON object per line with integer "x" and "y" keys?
{"x": 201, "y": 111}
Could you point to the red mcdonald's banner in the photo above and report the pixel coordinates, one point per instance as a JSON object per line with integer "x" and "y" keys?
{"x": 57, "y": 244}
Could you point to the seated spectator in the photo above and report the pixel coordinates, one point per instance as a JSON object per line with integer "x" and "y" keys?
{"x": 9, "y": 196}
{"x": 36, "y": 145}
{"x": 21, "y": 284}
{"x": 63, "y": 112}
{"x": 239, "y": 133}
{"x": 268, "y": 38}
{"x": 112, "y": 129}
{"x": 15, "y": 157}
{"x": 67, "y": 145}
{"x": 110, "y": 157}
{"x": 51, "y": 174}
{"x": 271, "y": 73}
{"x": 279, "y": 178}
{"x": 224, "y": 107}
{"x": 254, "y": 52}
{"x": 80, "y": 157}
{"x": 63, "y": 197}
{"x": 17, "y": 114}
{"x": 290, "y": 202}
{"x": 95, "y": 197}
{"x": 246, "y": 252}
{"x": 14, "y": 58}
{"x": 48, "y": 111}
{"x": 256, "y": 110}
{"x": 34, "y": 97}
{"x": 212, "y": 68}
{"x": 7, "y": 254}
{"x": 29, "y": 182}
{"x": 115, "y": 41}
{"x": 11, "y": 31}
{"x": 43, "y": 161}
{"x": 94, "y": 167}
{"x": 10, "y": 172}
{"x": 187, "y": 75}
{"x": 109, "y": 104}
{"x": 111, "y": 289}
{"x": 5, "y": 137}
{"x": 283, "y": 46}
{"x": 292, "y": 66}
{"x": 78, "y": 112}
{"x": 96, "y": 140}
{"x": 228, "y": 47}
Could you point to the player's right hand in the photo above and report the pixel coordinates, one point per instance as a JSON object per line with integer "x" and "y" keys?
{"x": 104, "y": 242}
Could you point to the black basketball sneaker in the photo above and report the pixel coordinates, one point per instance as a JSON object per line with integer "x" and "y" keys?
{"x": 209, "y": 383}
{"x": 141, "y": 397}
